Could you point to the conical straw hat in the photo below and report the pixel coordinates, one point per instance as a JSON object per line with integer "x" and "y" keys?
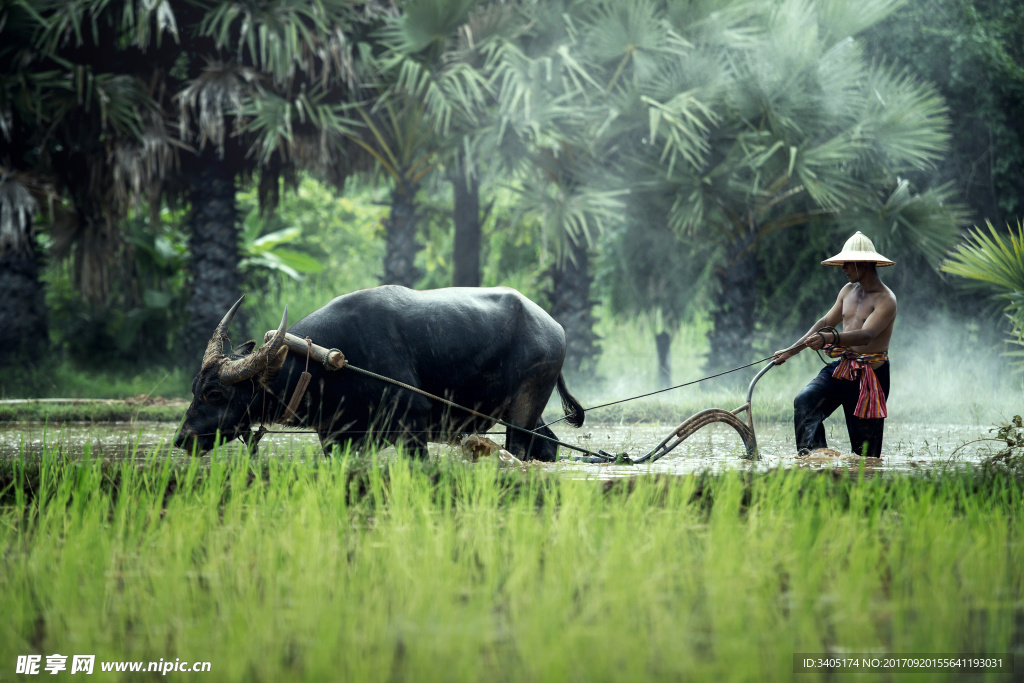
{"x": 858, "y": 248}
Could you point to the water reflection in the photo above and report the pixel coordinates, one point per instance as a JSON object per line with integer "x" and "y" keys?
{"x": 908, "y": 447}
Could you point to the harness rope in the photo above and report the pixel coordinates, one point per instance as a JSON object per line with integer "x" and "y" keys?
{"x": 253, "y": 441}
{"x": 661, "y": 391}
{"x": 333, "y": 359}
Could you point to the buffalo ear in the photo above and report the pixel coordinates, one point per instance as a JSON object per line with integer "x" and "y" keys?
{"x": 246, "y": 348}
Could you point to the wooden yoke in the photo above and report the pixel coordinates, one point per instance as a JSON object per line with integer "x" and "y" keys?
{"x": 331, "y": 359}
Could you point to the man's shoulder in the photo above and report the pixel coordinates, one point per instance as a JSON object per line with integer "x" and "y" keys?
{"x": 888, "y": 294}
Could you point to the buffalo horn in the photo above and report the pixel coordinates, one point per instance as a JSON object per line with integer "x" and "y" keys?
{"x": 257, "y": 361}
{"x": 215, "y": 347}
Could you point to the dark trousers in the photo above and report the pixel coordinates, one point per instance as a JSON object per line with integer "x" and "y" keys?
{"x": 821, "y": 397}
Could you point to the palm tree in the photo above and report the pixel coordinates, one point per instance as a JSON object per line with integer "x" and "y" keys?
{"x": 261, "y": 89}
{"x": 397, "y": 135}
{"x": 21, "y": 306}
{"x": 548, "y": 126}
{"x": 633, "y": 60}
{"x": 72, "y": 126}
{"x": 799, "y": 130}
{"x": 24, "y": 333}
{"x": 432, "y": 90}
{"x": 994, "y": 264}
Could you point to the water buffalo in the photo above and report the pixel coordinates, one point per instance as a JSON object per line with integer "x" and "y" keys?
{"x": 492, "y": 350}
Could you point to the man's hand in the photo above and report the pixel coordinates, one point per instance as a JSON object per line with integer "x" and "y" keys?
{"x": 816, "y": 341}
{"x": 781, "y": 356}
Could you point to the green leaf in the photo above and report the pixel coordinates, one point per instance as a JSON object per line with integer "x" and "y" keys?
{"x": 273, "y": 239}
{"x": 298, "y": 261}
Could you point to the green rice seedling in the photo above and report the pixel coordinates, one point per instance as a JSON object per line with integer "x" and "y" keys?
{"x": 378, "y": 567}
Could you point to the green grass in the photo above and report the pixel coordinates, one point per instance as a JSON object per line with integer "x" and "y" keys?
{"x": 64, "y": 380}
{"x": 91, "y": 411}
{"x": 361, "y": 569}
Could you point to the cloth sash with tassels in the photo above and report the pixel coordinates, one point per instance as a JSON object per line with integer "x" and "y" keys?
{"x": 871, "y": 401}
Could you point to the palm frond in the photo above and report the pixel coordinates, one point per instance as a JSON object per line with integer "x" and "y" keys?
{"x": 456, "y": 91}
{"x": 569, "y": 213}
{"x": 284, "y": 37}
{"x": 683, "y": 123}
{"x": 275, "y": 123}
{"x": 995, "y": 263}
{"x": 149, "y": 20}
{"x": 996, "y": 260}
{"x": 906, "y": 122}
{"x": 840, "y": 19}
{"x": 142, "y": 165}
{"x": 627, "y": 40}
{"x": 208, "y": 100}
{"x": 426, "y": 24}
{"x": 902, "y": 220}
{"x": 18, "y": 207}
{"x": 824, "y": 170}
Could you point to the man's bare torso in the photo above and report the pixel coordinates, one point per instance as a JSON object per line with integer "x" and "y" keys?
{"x": 858, "y": 306}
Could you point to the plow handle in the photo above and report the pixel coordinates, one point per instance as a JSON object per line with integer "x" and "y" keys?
{"x": 750, "y": 389}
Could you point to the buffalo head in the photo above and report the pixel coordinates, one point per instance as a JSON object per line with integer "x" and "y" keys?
{"x": 227, "y": 386}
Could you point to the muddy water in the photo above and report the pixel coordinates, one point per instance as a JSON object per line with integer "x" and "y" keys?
{"x": 908, "y": 447}
{"x": 717, "y": 447}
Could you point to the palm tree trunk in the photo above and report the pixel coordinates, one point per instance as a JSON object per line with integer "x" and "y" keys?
{"x": 402, "y": 245}
{"x": 466, "y": 251}
{"x": 663, "y": 341}
{"x": 216, "y": 282}
{"x": 573, "y": 308}
{"x": 24, "y": 334}
{"x": 733, "y": 314}
{"x": 97, "y": 253}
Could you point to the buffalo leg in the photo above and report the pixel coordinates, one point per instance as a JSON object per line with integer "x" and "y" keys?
{"x": 526, "y": 409}
{"x": 541, "y": 449}
{"x": 524, "y": 445}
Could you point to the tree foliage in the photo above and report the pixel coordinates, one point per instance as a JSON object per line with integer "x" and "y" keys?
{"x": 974, "y": 53}
{"x": 688, "y": 153}
{"x": 994, "y": 263}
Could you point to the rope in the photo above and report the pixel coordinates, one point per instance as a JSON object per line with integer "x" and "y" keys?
{"x": 475, "y": 413}
{"x": 600, "y": 455}
{"x": 661, "y": 391}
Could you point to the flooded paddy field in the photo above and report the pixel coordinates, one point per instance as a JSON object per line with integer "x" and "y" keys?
{"x": 486, "y": 573}
{"x": 908, "y": 447}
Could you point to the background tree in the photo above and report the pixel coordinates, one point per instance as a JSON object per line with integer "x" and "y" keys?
{"x": 440, "y": 53}
{"x": 549, "y": 123}
{"x": 24, "y": 332}
{"x": 974, "y": 54}
{"x": 647, "y": 272}
{"x": 178, "y": 101}
{"x": 635, "y": 60}
{"x": 802, "y": 131}
{"x": 261, "y": 89}
{"x": 21, "y": 307}
{"x": 77, "y": 126}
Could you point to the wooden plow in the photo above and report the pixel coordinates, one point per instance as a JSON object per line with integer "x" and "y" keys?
{"x": 705, "y": 417}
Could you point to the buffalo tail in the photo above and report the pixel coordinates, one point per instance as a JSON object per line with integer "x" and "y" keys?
{"x": 572, "y": 408}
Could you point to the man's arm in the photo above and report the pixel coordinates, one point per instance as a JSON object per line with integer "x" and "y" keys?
{"x": 811, "y": 339}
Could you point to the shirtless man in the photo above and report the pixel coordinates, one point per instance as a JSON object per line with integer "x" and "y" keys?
{"x": 859, "y": 381}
